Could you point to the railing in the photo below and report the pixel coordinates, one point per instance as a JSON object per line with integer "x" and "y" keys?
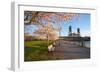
{"x": 81, "y": 41}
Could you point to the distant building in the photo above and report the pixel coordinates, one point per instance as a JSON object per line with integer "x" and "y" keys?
{"x": 71, "y": 34}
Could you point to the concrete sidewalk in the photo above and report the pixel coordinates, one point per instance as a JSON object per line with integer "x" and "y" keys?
{"x": 68, "y": 50}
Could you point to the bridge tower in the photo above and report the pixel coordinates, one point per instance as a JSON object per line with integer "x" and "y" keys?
{"x": 78, "y": 31}
{"x": 70, "y": 30}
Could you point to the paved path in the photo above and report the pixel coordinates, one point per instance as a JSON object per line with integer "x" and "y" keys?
{"x": 68, "y": 50}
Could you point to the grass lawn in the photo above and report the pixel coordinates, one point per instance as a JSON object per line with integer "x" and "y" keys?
{"x": 36, "y": 50}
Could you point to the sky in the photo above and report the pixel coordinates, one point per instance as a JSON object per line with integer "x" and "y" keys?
{"x": 83, "y": 22}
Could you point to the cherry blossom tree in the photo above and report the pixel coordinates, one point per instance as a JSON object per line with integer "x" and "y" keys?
{"x": 46, "y": 32}
{"x": 42, "y": 19}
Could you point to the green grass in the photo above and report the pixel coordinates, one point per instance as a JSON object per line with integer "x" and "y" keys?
{"x": 36, "y": 50}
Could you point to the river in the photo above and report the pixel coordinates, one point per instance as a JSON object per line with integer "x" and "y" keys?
{"x": 87, "y": 44}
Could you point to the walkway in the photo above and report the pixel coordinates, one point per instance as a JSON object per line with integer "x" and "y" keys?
{"x": 68, "y": 50}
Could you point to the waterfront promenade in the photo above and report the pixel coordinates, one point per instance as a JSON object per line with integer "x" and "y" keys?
{"x": 69, "y": 50}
